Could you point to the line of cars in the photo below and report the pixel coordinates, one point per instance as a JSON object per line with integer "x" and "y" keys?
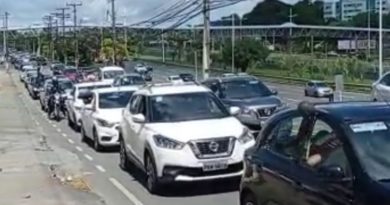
{"x": 188, "y": 131}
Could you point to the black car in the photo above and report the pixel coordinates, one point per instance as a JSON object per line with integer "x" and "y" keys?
{"x": 256, "y": 100}
{"x": 187, "y": 77}
{"x": 335, "y": 153}
{"x": 129, "y": 80}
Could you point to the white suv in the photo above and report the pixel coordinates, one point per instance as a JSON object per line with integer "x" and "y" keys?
{"x": 100, "y": 118}
{"x": 181, "y": 133}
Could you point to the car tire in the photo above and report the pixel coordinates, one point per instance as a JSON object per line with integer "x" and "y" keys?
{"x": 306, "y": 94}
{"x": 152, "y": 183}
{"x": 124, "y": 162}
{"x": 316, "y": 94}
{"x": 96, "y": 144}
{"x": 70, "y": 122}
{"x": 249, "y": 199}
{"x": 82, "y": 133}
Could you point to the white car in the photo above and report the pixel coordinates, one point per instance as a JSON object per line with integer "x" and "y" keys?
{"x": 182, "y": 133}
{"x": 316, "y": 88}
{"x": 100, "y": 119}
{"x": 381, "y": 89}
{"x": 74, "y": 103}
{"x": 140, "y": 68}
{"x": 108, "y": 74}
{"x": 175, "y": 79}
{"x": 26, "y": 69}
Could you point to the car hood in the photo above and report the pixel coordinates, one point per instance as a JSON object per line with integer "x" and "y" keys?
{"x": 110, "y": 115}
{"x": 199, "y": 129}
{"x": 254, "y": 102}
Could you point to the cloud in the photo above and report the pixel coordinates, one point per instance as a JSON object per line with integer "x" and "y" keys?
{"x": 28, "y": 12}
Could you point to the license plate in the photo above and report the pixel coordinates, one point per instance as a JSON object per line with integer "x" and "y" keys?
{"x": 216, "y": 165}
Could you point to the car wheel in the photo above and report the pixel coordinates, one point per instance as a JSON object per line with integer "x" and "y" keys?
{"x": 249, "y": 199}
{"x": 152, "y": 183}
{"x": 96, "y": 145}
{"x": 306, "y": 94}
{"x": 82, "y": 132}
{"x": 70, "y": 123}
{"x": 316, "y": 94}
{"x": 124, "y": 161}
{"x": 42, "y": 108}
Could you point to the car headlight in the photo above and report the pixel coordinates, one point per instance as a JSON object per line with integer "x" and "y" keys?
{"x": 167, "y": 143}
{"x": 104, "y": 123}
{"x": 248, "y": 112}
{"x": 246, "y": 136}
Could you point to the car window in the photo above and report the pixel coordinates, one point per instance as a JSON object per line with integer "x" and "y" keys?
{"x": 385, "y": 80}
{"x": 310, "y": 84}
{"x": 134, "y": 101}
{"x": 324, "y": 148}
{"x": 142, "y": 105}
{"x": 284, "y": 138}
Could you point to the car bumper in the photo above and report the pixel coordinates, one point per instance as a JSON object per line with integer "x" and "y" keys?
{"x": 182, "y": 165}
{"x": 108, "y": 136}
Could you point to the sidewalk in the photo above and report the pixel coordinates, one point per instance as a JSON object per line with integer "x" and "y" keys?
{"x": 29, "y": 166}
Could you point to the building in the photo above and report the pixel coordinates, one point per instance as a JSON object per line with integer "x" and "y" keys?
{"x": 350, "y": 8}
{"x": 385, "y": 6}
{"x": 331, "y": 9}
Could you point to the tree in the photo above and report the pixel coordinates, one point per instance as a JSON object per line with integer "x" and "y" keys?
{"x": 247, "y": 52}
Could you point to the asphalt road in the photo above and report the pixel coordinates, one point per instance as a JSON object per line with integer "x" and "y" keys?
{"x": 118, "y": 187}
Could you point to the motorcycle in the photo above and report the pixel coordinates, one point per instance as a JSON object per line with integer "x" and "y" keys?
{"x": 59, "y": 106}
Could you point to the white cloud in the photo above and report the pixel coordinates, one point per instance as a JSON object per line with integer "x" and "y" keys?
{"x": 27, "y": 12}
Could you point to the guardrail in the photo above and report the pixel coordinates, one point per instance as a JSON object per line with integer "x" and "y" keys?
{"x": 279, "y": 79}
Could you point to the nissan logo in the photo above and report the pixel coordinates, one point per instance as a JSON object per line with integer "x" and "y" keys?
{"x": 214, "y": 146}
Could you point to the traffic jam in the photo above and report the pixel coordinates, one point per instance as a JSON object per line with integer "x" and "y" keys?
{"x": 227, "y": 126}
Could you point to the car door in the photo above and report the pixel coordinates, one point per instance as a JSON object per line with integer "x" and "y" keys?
{"x": 271, "y": 163}
{"x": 321, "y": 149}
{"x": 86, "y": 115}
{"x": 128, "y": 124}
{"x": 138, "y": 129}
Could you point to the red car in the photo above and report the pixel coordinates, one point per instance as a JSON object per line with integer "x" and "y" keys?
{"x": 70, "y": 73}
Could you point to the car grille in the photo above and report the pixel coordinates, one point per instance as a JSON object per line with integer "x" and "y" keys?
{"x": 213, "y": 148}
{"x": 266, "y": 112}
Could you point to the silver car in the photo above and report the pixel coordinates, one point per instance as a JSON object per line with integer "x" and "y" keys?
{"x": 318, "y": 89}
{"x": 381, "y": 88}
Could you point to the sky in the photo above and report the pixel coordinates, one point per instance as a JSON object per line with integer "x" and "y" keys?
{"x": 27, "y": 12}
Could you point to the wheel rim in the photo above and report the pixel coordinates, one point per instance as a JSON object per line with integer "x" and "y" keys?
{"x": 150, "y": 174}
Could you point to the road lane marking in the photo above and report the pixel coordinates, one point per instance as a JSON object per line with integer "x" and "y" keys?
{"x": 290, "y": 99}
{"x": 100, "y": 168}
{"x": 126, "y": 192}
{"x": 64, "y": 135}
{"x": 54, "y": 125}
{"x": 70, "y": 141}
{"x": 79, "y": 149}
{"x": 59, "y": 130}
{"x": 88, "y": 157}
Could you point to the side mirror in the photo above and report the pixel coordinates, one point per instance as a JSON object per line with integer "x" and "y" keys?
{"x": 138, "y": 118}
{"x": 332, "y": 172}
{"x": 234, "y": 110}
{"x": 274, "y": 92}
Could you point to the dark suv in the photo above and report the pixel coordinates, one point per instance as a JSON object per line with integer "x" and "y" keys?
{"x": 321, "y": 154}
{"x": 256, "y": 100}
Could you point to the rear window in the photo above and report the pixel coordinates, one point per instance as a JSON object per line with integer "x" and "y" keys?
{"x": 114, "y": 100}
{"x": 90, "y": 88}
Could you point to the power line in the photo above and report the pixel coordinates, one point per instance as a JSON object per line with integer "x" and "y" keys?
{"x": 76, "y": 42}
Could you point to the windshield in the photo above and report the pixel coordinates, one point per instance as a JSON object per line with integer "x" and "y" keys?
{"x": 245, "y": 89}
{"x": 133, "y": 80}
{"x": 321, "y": 85}
{"x": 114, "y": 99}
{"x": 65, "y": 85}
{"x": 112, "y": 74}
{"x": 372, "y": 144}
{"x": 89, "y": 88}
{"x": 186, "y": 107}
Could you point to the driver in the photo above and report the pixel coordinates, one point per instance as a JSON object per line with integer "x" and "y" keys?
{"x": 55, "y": 89}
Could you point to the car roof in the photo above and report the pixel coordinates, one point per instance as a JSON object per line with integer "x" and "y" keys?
{"x": 108, "y": 68}
{"x": 355, "y": 111}
{"x": 116, "y": 89}
{"x": 233, "y": 79}
{"x": 171, "y": 88}
{"x": 88, "y": 84}
{"x": 131, "y": 75}
{"x": 316, "y": 81}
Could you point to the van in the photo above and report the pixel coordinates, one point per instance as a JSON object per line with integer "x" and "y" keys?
{"x": 108, "y": 74}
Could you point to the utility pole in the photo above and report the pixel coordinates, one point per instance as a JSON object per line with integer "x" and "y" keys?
{"x": 113, "y": 19}
{"x": 76, "y": 41}
{"x": 291, "y": 16}
{"x": 206, "y": 38}
{"x": 163, "y": 45}
{"x": 380, "y": 38}
{"x": 62, "y": 15}
{"x": 49, "y": 19}
{"x": 233, "y": 42}
{"x": 5, "y": 30}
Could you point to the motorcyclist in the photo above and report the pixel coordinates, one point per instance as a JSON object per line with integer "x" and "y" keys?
{"x": 55, "y": 89}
